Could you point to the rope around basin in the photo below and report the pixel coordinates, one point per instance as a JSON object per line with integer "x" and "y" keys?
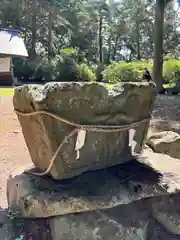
{"x": 78, "y": 127}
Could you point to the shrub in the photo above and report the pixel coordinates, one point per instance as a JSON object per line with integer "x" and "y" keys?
{"x": 125, "y": 72}
{"x": 65, "y": 69}
{"x": 85, "y": 74}
{"x": 171, "y": 70}
{"x": 93, "y": 68}
{"x": 61, "y": 68}
{"x": 70, "y": 52}
{"x": 22, "y": 69}
{"x": 33, "y": 69}
{"x": 45, "y": 71}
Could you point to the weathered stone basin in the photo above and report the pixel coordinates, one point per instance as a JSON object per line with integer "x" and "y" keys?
{"x": 89, "y": 104}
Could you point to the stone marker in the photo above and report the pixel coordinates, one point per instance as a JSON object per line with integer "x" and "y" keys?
{"x": 83, "y": 103}
{"x": 167, "y": 142}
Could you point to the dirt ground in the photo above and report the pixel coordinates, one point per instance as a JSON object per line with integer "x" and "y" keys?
{"x": 166, "y": 114}
{"x": 14, "y": 153}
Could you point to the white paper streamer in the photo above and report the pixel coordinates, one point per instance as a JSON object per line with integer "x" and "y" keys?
{"x": 81, "y": 137}
{"x": 132, "y": 143}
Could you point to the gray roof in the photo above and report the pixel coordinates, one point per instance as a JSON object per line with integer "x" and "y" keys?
{"x": 11, "y": 43}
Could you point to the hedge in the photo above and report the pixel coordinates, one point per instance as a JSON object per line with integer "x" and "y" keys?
{"x": 125, "y": 72}
{"x": 133, "y": 71}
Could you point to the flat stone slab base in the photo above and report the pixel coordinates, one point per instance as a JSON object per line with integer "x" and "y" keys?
{"x": 139, "y": 200}
{"x": 134, "y": 221}
{"x": 41, "y": 197}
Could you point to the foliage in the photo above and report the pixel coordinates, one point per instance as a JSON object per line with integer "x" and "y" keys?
{"x": 74, "y": 27}
{"x": 171, "y": 70}
{"x": 85, "y": 74}
{"x": 124, "y": 72}
{"x": 31, "y": 69}
{"x": 71, "y": 52}
{"x": 61, "y": 68}
{"x": 177, "y": 78}
{"x": 65, "y": 69}
{"x": 133, "y": 71}
{"x": 96, "y": 31}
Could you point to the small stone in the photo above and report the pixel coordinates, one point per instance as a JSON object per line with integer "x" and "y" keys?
{"x": 167, "y": 142}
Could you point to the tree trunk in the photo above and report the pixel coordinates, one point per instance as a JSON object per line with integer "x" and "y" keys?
{"x": 138, "y": 41}
{"x": 3, "y": 22}
{"x": 50, "y": 30}
{"x": 18, "y": 15}
{"x": 100, "y": 39}
{"x": 109, "y": 49}
{"x": 115, "y": 48}
{"x": 157, "y": 74}
{"x": 34, "y": 28}
{"x": 130, "y": 57}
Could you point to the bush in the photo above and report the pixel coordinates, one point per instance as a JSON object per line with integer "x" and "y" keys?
{"x": 32, "y": 69}
{"x": 22, "y": 70}
{"x": 65, "y": 69}
{"x": 68, "y": 70}
{"x": 125, "y": 72}
{"x": 171, "y": 70}
{"x": 85, "y": 74}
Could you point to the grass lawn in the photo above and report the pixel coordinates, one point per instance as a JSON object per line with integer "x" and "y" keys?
{"x": 6, "y": 91}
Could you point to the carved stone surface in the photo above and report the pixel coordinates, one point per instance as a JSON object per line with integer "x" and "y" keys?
{"x": 83, "y": 103}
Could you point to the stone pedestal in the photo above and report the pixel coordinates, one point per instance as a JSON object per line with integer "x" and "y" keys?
{"x": 138, "y": 200}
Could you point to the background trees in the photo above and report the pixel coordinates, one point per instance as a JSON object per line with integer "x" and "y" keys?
{"x": 96, "y": 31}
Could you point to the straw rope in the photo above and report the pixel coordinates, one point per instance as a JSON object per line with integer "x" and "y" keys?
{"x": 78, "y": 127}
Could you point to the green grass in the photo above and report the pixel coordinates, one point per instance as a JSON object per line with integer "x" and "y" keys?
{"x": 6, "y": 92}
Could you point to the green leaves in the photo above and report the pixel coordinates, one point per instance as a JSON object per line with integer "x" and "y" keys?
{"x": 127, "y": 28}
{"x": 125, "y": 72}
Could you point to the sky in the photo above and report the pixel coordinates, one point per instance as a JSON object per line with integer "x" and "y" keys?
{"x": 176, "y": 5}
